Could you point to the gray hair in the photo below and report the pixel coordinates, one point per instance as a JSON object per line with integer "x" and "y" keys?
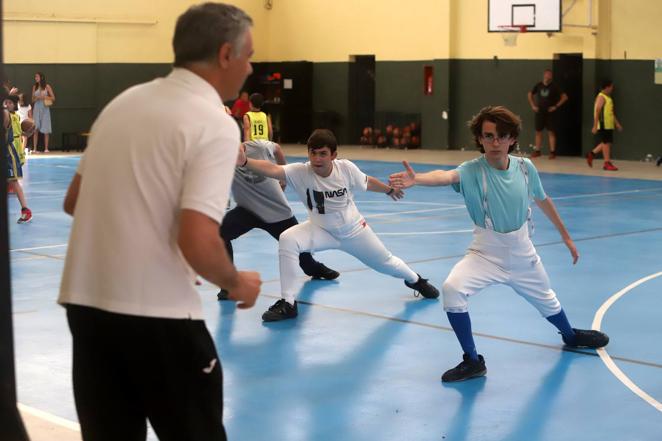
{"x": 203, "y": 29}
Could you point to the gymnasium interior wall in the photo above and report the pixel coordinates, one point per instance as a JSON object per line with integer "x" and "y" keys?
{"x": 91, "y": 50}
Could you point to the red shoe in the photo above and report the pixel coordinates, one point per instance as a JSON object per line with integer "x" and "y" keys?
{"x": 609, "y": 166}
{"x": 26, "y": 216}
{"x": 552, "y": 155}
{"x": 535, "y": 153}
{"x": 589, "y": 158}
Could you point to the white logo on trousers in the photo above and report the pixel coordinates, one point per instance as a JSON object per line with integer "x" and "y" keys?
{"x": 209, "y": 368}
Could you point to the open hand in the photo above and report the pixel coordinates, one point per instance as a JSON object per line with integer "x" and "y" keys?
{"x": 403, "y": 179}
{"x": 398, "y": 193}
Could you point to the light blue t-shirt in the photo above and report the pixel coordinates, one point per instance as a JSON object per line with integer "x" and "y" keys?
{"x": 507, "y": 192}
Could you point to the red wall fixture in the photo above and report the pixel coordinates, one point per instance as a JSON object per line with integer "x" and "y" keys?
{"x": 428, "y": 75}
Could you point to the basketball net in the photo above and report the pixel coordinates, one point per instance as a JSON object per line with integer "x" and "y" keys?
{"x": 510, "y": 34}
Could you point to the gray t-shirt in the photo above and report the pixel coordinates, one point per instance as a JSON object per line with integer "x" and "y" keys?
{"x": 258, "y": 194}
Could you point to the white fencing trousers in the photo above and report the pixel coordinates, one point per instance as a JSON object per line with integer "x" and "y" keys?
{"x": 505, "y": 258}
{"x": 365, "y": 246}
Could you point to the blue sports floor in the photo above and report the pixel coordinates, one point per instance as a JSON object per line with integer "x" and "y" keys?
{"x": 363, "y": 360}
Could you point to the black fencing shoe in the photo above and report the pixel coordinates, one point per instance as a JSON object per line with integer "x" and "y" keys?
{"x": 424, "y": 288}
{"x": 223, "y": 294}
{"x": 587, "y": 338}
{"x": 281, "y": 310}
{"x": 466, "y": 370}
{"x": 323, "y": 272}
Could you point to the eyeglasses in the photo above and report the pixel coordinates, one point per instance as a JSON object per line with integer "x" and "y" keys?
{"x": 490, "y": 138}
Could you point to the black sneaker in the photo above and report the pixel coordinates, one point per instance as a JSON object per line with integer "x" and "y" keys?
{"x": 424, "y": 288}
{"x": 322, "y": 272}
{"x": 587, "y": 338}
{"x": 466, "y": 370}
{"x": 223, "y": 294}
{"x": 281, "y": 310}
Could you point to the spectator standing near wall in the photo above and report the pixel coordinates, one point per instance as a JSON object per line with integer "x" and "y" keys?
{"x": 604, "y": 123}
{"x": 545, "y": 98}
{"x": 42, "y": 99}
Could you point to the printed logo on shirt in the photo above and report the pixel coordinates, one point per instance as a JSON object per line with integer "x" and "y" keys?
{"x": 319, "y": 196}
{"x": 335, "y": 193}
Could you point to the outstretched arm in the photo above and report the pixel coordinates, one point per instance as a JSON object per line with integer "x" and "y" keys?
{"x": 435, "y": 178}
{"x": 264, "y": 168}
{"x": 548, "y": 207}
{"x": 378, "y": 186}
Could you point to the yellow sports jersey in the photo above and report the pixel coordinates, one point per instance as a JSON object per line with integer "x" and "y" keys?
{"x": 259, "y": 126}
{"x": 18, "y": 144}
{"x": 606, "y": 117}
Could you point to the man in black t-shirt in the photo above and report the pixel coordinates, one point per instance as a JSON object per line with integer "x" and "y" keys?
{"x": 545, "y": 98}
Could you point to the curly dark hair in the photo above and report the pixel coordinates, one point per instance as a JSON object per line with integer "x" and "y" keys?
{"x": 507, "y": 123}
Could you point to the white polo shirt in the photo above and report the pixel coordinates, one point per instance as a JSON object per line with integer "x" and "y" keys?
{"x": 149, "y": 156}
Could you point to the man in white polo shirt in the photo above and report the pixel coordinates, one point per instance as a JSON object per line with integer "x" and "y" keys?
{"x": 147, "y": 199}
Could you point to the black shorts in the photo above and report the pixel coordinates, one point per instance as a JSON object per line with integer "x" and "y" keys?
{"x": 14, "y": 168}
{"x": 604, "y": 136}
{"x": 544, "y": 120}
{"x": 128, "y": 369}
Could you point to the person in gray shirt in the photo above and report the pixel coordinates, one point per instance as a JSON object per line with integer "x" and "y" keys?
{"x": 261, "y": 203}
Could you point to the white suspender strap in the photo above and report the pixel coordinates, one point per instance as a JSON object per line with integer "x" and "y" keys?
{"x": 488, "y": 221}
{"x": 529, "y": 216}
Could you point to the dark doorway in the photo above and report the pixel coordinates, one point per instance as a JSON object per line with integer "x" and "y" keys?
{"x": 361, "y": 95}
{"x": 567, "y": 70}
{"x": 287, "y": 90}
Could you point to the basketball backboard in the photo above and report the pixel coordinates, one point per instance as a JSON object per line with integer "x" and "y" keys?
{"x": 535, "y": 15}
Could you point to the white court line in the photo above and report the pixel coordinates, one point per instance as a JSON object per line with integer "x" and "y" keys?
{"x": 386, "y": 201}
{"x": 591, "y": 195}
{"x": 38, "y": 248}
{"x": 597, "y": 321}
{"x": 424, "y": 233}
{"x": 63, "y": 422}
{"x": 395, "y": 213}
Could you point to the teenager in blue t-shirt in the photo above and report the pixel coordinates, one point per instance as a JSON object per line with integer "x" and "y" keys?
{"x": 497, "y": 189}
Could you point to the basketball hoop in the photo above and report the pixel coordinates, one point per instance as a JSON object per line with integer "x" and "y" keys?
{"x": 510, "y": 34}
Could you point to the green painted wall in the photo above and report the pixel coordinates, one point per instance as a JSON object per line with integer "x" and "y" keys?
{"x": 637, "y": 102}
{"x": 461, "y": 87}
{"x": 399, "y": 88}
{"x": 330, "y": 89}
{"x": 81, "y": 90}
{"x": 479, "y": 83}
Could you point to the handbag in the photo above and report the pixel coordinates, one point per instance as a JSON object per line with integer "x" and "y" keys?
{"x": 48, "y": 102}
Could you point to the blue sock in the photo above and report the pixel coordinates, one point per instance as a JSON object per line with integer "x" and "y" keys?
{"x": 461, "y": 324}
{"x": 562, "y": 324}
